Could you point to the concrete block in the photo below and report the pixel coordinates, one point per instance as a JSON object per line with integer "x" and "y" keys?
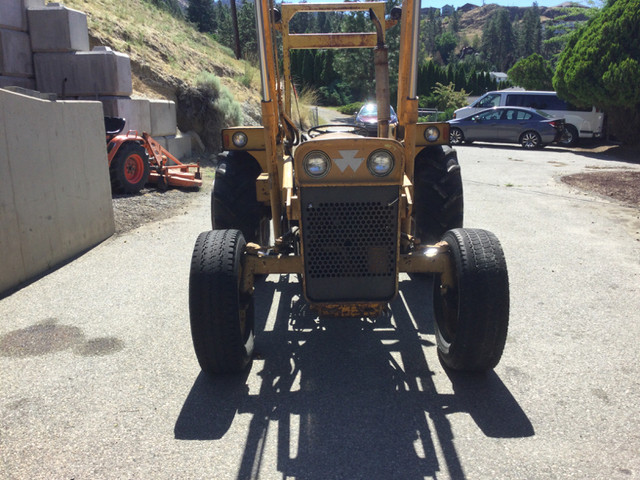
{"x": 12, "y": 271}
{"x": 55, "y": 193}
{"x": 15, "y": 54}
{"x": 163, "y": 117}
{"x": 134, "y": 110}
{"x": 99, "y": 72}
{"x": 33, "y": 93}
{"x": 179, "y": 146}
{"x": 55, "y": 28}
{"x": 23, "y": 82}
{"x": 162, "y": 141}
{"x": 13, "y": 13}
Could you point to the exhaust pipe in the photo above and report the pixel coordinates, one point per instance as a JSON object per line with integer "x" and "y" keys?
{"x": 381, "y": 62}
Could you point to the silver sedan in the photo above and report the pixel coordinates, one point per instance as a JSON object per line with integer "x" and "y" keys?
{"x": 526, "y": 126}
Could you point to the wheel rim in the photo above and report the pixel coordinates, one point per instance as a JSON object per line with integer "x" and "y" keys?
{"x": 455, "y": 137}
{"x": 567, "y": 137}
{"x": 530, "y": 140}
{"x": 133, "y": 168}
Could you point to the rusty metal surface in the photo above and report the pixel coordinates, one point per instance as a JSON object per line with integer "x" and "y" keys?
{"x": 348, "y": 309}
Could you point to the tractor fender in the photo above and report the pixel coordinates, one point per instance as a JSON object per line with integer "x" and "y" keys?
{"x": 118, "y": 141}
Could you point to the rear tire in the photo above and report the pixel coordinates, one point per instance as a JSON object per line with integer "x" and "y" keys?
{"x": 129, "y": 168}
{"x": 233, "y": 198}
{"x": 222, "y": 318}
{"x": 570, "y": 136}
{"x": 471, "y": 320}
{"x": 438, "y": 202}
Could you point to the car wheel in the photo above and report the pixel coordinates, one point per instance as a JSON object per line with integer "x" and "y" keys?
{"x": 569, "y": 137}
{"x": 456, "y": 137}
{"x": 472, "y": 316}
{"x": 221, "y": 315}
{"x": 530, "y": 139}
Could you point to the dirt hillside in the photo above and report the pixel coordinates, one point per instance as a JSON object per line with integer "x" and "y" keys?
{"x": 165, "y": 52}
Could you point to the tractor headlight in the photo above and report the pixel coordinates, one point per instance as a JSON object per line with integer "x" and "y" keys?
{"x": 239, "y": 139}
{"x": 431, "y": 134}
{"x": 380, "y": 163}
{"x": 316, "y": 164}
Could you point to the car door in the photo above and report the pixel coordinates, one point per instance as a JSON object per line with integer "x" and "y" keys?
{"x": 484, "y": 126}
{"x": 515, "y": 122}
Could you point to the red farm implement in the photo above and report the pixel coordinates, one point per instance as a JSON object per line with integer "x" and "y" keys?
{"x": 135, "y": 160}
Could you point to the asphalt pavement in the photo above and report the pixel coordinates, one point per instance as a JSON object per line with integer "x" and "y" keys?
{"x": 99, "y": 379}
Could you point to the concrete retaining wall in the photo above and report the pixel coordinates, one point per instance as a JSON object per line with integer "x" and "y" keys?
{"x": 58, "y": 29}
{"x": 13, "y": 13}
{"x": 15, "y": 54}
{"x": 29, "y": 83}
{"x": 55, "y": 193}
{"x": 163, "y": 117}
{"x": 95, "y": 73}
{"x": 134, "y": 110}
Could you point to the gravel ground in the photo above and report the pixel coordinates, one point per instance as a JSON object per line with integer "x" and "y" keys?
{"x": 151, "y": 204}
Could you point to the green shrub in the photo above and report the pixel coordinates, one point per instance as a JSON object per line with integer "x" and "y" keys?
{"x": 350, "y": 108}
{"x": 206, "y": 109}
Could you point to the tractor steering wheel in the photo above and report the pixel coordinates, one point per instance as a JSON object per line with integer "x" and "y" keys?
{"x": 337, "y": 128}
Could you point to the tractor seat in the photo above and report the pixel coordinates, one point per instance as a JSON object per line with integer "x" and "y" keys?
{"x": 113, "y": 125}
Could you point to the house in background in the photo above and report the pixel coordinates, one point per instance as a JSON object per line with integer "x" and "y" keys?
{"x": 447, "y": 10}
{"x": 498, "y": 76}
{"x": 467, "y": 7}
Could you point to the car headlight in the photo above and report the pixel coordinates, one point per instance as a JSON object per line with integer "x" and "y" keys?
{"x": 380, "y": 163}
{"x": 316, "y": 164}
{"x": 431, "y": 134}
{"x": 239, "y": 139}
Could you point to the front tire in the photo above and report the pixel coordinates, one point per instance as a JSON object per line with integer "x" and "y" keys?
{"x": 472, "y": 317}
{"x": 222, "y": 317}
{"x": 438, "y": 203}
{"x": 129, "y": 168}
{"x": 530, "y": 140}
{"x": 233, "y": 198}
{"x": 456, "y": 137}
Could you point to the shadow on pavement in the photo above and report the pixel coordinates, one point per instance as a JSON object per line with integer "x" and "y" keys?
{"x": 351, "y": 398}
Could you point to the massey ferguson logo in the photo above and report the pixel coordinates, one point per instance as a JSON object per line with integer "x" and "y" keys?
{"x": 348, "y": 159}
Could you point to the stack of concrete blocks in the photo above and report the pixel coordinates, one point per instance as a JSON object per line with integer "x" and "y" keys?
{"x": 156, "y": 117}
{"x": 55, "y": 191}
{"x": 16, "y": 64}
{"x": 63, "y": 64}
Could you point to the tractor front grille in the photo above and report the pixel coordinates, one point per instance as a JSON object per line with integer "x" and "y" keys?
{"x": 350, "y": 241}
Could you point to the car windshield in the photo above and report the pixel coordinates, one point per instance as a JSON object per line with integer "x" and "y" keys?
{"x": 369, "y": 109}
{"x": 372, "y": 109}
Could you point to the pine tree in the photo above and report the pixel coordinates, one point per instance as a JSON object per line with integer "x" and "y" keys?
{"x": 201, "y": 13}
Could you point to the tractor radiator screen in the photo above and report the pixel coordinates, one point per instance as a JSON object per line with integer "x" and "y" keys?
{"x": 350, "y": 242}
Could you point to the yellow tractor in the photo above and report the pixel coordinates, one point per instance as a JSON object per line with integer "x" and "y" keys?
{"x": 344, "y": 211}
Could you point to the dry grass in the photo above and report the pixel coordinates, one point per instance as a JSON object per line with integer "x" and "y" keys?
{"x": 164, "y": 51}
{"x": 302, "y": 109}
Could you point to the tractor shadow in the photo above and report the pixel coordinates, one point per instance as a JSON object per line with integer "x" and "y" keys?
{"x": 352, "y": 398}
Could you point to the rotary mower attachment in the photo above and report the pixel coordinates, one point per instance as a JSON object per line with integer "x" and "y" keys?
{"x": 135, "y": 160}
{"x": 166, "y": 170}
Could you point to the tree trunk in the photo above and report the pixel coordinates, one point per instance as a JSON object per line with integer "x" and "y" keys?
{"x": 236, "y": 33}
